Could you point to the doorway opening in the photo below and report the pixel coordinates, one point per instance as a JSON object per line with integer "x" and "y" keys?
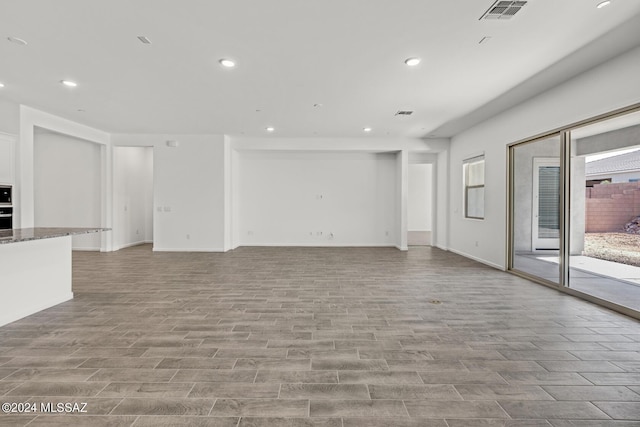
{"x": 420, "y": 205}
{"x": 132, "y": 196}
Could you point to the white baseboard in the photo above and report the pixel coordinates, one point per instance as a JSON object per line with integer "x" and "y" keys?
{"x": 480, "y": 260}
{"x": 317, "y": 245}
{"x": 87, "y": 249}
{"x": 156, "y": 249}
{"x": 128, "y": 245}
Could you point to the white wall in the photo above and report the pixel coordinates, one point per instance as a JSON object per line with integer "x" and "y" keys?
{"x": 9, "y": 117}
{"x": 132, "y": 196}
{"x": 196, "y": 185}
{"x": 302, "y": 199}
{"x": 419, "y": 208}
{"x": 67, "y": 185}
{"x": 364, "y": 144}
{"x": 31, "y": 119}
{"x": 434, "y": 151}
{"x": 189, "y": 184}
{"x": 602, "y": 89}
{"x": 7, "y": 159}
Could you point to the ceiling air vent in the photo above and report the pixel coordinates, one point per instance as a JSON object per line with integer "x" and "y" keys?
{"x": 503, "y": 9}
{"x": 144, "y": 40}
{"x": 404, "y": 113}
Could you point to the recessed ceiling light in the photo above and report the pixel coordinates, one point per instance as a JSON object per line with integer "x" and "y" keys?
{"x": 69, "y": 83}
{"x": 17, "y": 40}
{"x": 412, "y": 62}
{"x": 228, "y": 63}
{"x": 367, "y": 129}
{"x": 270, "y": 129}
{"x": 603, "y": 4}
{"x": 1, "y": 84}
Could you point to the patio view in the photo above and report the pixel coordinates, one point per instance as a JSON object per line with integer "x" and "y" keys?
{"x": 600, "y": 210}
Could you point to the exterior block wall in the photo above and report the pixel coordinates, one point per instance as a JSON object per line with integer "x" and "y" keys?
{"x": 610, "y": 206}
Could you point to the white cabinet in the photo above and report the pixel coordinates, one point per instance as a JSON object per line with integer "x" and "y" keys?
{"x": 7, "y": 159}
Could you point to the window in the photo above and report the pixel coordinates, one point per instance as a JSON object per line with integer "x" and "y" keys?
{"x": 474, "y": 187}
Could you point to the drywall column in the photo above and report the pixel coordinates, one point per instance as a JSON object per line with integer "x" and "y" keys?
{"x": 235, "y": 198}
{"x": 106, "y": 155}
{"x": 441, "y": 237}
{"x": 228, "y": 195}
{"x": 7, "y": 158}
{"x": 402, "y": 163}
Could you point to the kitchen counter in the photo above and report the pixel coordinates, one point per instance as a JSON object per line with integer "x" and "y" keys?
{"x": 26, "y": 234}
{"x": 36, "y": 269}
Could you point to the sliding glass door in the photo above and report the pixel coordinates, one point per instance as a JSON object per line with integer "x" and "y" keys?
{"x": 574, "y": 211}
{"x": 536, "y": 186}
{"x": 604, "y": 244}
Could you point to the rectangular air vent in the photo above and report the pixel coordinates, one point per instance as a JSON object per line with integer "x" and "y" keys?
{"x": 503, "y": 9}
{"x": 404, "y": 113}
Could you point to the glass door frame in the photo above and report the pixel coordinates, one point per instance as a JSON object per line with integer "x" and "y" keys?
{"x": 511, "y": 209}
{"x": 564, "y": 206}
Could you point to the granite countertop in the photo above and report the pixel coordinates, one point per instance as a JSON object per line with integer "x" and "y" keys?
{"x": 38, "y": 233}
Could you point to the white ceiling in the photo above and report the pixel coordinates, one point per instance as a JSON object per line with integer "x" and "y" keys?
{"x": 344, "y": 54}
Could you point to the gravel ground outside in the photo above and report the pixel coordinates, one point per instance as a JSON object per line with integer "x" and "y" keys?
{"x": 622, "y": 248}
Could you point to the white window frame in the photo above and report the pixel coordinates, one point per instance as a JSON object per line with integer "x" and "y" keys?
{"x": 478, "y": 189}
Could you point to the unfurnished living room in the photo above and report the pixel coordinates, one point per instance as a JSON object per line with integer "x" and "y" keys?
{"x": 320, "y": 213}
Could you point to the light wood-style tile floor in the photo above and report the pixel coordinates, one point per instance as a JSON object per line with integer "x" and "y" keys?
{"x": 331, "y": 337}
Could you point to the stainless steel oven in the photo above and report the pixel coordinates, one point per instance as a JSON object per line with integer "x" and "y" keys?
{"x": 6, "y": 218}
{"x": 5, "y": 195}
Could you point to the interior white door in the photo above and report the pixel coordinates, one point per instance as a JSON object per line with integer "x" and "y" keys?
{"x": 545, "y": 227}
